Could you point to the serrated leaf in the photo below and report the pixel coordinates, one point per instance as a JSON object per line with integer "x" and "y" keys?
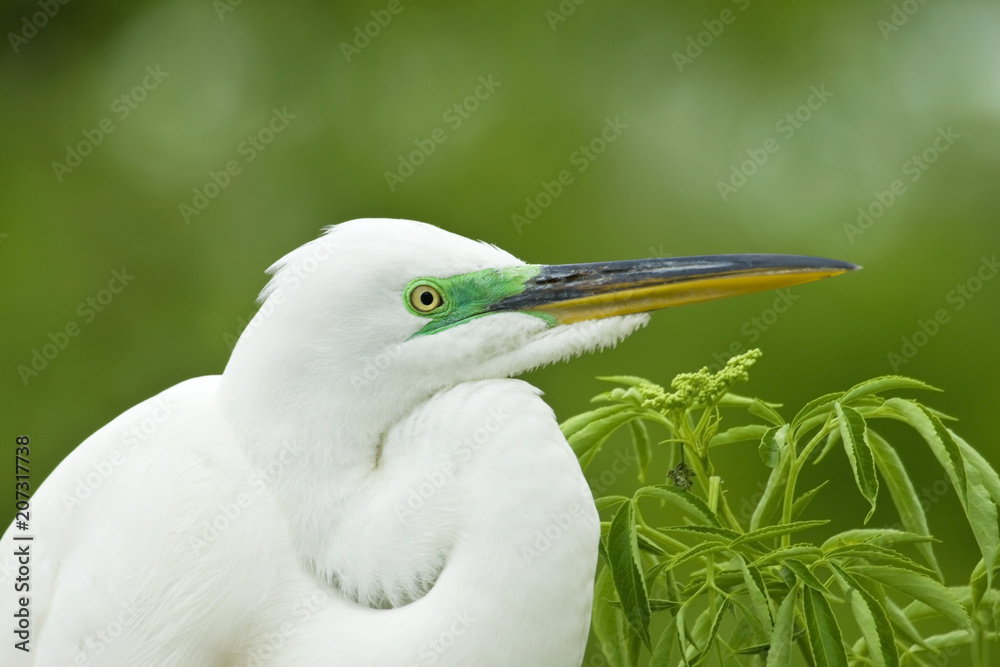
{"x": 872, "y": 621}
{"x": 805, "y": 575}
{"x": 825, "y": 639}
{"x": 683, "y": 499}
{"x": 593, "y": 435}
{"x": 627, "y": 380}
{"x": 771, "y": 497}
{"x": 643, "y": 446}
{"x": 573, "y": 425}
{"x": 760, "y": 619}
{"x": 626, "y": 571}
{"x": 780, "y": 652}
{"x": 803, "y": 501}
{"x": 815, "y": 408}
{"x": 917, "y": 586}
{"x": 881, "y": 536}
{"x": 715, "y": 533}
{"x": 899, "y": 619}
{"x": 938, "y": 438}
{"x": 883, "y": 384}
{"x": 605, "y": 502}
{"x": 878, "y": 554}
{"x": 794, "y": 551}
{"x": 904, "y": 496}
{"x": 832, "y": 438}
{"x": 771, "y": 444}
{"x": 737, "y": 434}
{"x": 707, "y": 639}
{"x": 854, "y": 433}
{"x": 664, "y": 647}
{"x": 731, "y": 400}
{"x": 698, "y": 550}
{"x": 759, "y": 408}
{"x": 619, "y": 643}
{"x": 768, "y": 532}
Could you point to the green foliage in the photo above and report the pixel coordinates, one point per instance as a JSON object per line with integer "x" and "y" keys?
{"x": 710, "y": 590}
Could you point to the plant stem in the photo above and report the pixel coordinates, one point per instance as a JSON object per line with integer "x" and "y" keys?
{"x": 795, "y": 465}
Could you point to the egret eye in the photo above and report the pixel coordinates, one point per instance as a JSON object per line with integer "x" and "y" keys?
{"x": 425, "y": 298}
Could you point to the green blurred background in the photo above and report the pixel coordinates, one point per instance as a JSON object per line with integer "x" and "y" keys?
{"x": 895, "y": 77}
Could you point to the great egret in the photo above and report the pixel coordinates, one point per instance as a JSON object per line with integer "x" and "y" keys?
{"x": 362, "y": 485}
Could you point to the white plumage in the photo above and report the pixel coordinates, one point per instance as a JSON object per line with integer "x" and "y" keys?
{"x": 343, "y": 494}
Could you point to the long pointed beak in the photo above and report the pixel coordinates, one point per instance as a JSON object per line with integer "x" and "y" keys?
{"x": 575, "y": 292}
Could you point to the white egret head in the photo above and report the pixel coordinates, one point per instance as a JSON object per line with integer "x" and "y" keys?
{"x": 387, "y": 312}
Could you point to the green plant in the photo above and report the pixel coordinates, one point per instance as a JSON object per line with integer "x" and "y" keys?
{"x": 720, "y": 592}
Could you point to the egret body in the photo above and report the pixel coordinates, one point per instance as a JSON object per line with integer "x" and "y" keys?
{"x": 362, "y": 486}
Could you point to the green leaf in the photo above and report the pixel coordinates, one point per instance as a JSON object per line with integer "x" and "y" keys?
{"x": 854, "y": 433}
{"x": 664, "y": 647}
{"x": 872, "y": 621}
{"x": 759, "y": 408}
{"x": 574, "y": 424}
{"x": 882, "y": 384}
{"x": 917, "y": 586}
{"x": 818, "y": 407}
{"x": 731, "y": 400}
{"x": 904, "y": 496}
{"x": 832, "y": 439}
{"x": 770, "y": 499}
{"x": 805, "y": 575}
{"x": 803, "y": 501}
{"x": 643, "y": 446}
{"x": 737, "y": 434}
{"x": 713, "y": 533}
{"x": 882, "y": 536}
{"x": 605, "y": 502}
{"x": 626, "y": 570}
{"x": 900, "y": 620}
{"x": 593, "y": 435}
{"x": 682, "y": 499}
{"x": 825, "y": 640}
{"x": 628, "y": 380}
{"x": 794, "y": 551}
{"x": 619, "y": 643}
{"x": 768, "y": 532}
{"x": 780, "y": 653}
{"x": 878, "y": 554}
{"x": 771, "y": 444}
{"x": 937, "y": 436}
{"x": 697, "y": 551}
{"x": 707, "y": 630}
{"x": 760, "y": 619}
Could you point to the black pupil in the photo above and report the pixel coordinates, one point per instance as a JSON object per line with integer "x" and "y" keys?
{"x": 426, "y": 297}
